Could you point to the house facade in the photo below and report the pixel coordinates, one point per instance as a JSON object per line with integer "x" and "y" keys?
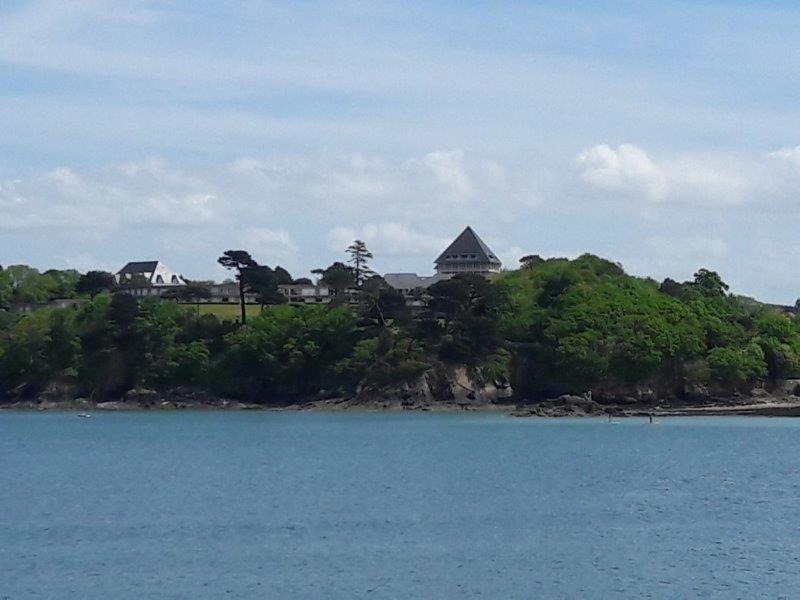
{"x": 306, "y": 293}
{"x": 295, "y": 293}
{"x": 227, "y": 292}
{"x": 147, "y": 278}
{"x": 151, "y": 272}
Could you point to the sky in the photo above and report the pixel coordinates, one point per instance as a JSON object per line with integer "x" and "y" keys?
{"x": 661, "y": 135}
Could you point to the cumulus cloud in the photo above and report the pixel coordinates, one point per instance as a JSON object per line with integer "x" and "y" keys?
{"x": 153, "y": 191}
{"x": 628, "y": 172}
{"x": 448, "y": 167}
{"x": 387, "y": 238}
{"x": 150, "y": 192}
{"x": 269, "y": 246}
{"x": 626, "y": 169}
{"x": 415, "y": 190}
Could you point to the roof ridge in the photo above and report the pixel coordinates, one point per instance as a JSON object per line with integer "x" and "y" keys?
{"x": 469, "y": 242}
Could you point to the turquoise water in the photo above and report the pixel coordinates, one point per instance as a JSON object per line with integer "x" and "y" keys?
{"x": 298, "y": 505}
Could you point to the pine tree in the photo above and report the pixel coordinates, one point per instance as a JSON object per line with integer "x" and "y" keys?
{"x": 359, "y": 258}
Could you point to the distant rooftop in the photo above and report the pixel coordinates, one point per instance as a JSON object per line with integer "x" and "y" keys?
{"x": 468, "y": 254}
{"x": 410, "y": 281}
{"x": 146, "y": 266}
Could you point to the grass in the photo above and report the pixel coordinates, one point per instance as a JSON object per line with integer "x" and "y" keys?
{"x": 225, "y": 312}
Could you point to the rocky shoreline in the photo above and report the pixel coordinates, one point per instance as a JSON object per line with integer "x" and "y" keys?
{"x": 434, "y": 392}
{"x": 398, "y": 401}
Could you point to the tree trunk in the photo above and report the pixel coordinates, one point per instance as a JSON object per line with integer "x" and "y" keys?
{"x": 241, "y": 303}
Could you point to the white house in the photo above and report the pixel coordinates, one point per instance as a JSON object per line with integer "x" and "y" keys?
{"x": 149, "y": 272}
{"x": 306, "y": 293}
{"x": 147, "y": 278}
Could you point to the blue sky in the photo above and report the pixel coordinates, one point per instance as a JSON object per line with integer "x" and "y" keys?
{"x": 663, "y": 135}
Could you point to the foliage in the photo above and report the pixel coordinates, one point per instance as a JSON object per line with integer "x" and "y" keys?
{"x": 94, "y": 282}
{"x": 359, "y": 259}
{"x": 338, "y": 276}
{"x": 554, "y": 326}
{"x": 287, "y": 350}
{"x": 239, "y": 261}
{"x": 263, "y": 282}
{"x": 585, "y": 324}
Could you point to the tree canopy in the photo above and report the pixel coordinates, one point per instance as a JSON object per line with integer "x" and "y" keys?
{"x": 554, "y": 326}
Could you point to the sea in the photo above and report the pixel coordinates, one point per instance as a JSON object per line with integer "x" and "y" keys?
{"x": 384, "y": 505}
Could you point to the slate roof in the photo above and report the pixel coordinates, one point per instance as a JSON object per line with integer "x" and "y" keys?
{"x": 410, "y": 281}
{"x": 147, "y": 266}
{"x": 468, "y": 243}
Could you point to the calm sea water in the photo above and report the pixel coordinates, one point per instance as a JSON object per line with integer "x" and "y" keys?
{"x": 288, "y": 505}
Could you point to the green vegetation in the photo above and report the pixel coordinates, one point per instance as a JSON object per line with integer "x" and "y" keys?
{"x": 225, "y": 312}
{"x": 552, "y": 327}
{"x": 585, "y": 325}
{"x": 22, "y": 285}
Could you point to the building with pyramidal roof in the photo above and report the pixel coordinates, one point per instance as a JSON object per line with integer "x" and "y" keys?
{"x": 467, "y": 254}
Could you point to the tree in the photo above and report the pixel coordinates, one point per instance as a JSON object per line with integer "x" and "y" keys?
{"x": 5, "y": 289}
{"x": 338, "y": 276}
{"x": 670, "y": 287}
{"x": 282, "y": 276}
{"x": 529, "y": 261}
{"x": 238, "y": 260}
{"x": 191, "y": 292}
{"x": 710, "y": 284}
{"x": 381, "y": 302}
{"x": 94, "y": 282}
{"x": 29, "y": 286}
{"x": 359, "y": 258}
{"x": 66, "y": 281}
{"x": 468, "y": 306}
{"x": 263, "y": 282}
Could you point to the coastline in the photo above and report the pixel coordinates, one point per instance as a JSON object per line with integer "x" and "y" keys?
{"x": 565, "y": 406}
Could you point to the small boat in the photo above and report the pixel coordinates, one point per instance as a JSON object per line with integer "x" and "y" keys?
{"x": 85, "y": 415}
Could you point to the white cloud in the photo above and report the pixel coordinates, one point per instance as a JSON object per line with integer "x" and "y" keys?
{"x": 169, "y": 209}
{"x": 151, "y": 192}
{"x": 65, "y": 178}
{"x": 388, "y": 238}
{"x": 708, "y": 180}
{"x": 791, "y": 155}
{"x": 626, "y": 169}
{"x": 418, "y": 190}
{"x": 269, "y": 246}
{"x": 448, "y": 167}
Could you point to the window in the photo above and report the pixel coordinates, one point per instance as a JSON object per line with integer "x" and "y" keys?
{"x": 159, "y": 279}
{"x": 175, "y": 279}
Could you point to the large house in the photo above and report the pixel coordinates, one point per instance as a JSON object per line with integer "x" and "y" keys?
{"x": 306, "y": 293}
{"x": 150, "y": 272}
{"x": 147, "y": 278}
{"x": 295, "y": 293}
{"x": 468, "y": 253}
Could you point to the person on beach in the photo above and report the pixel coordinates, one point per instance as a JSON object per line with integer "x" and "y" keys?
{"x": 651, "y": 418}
